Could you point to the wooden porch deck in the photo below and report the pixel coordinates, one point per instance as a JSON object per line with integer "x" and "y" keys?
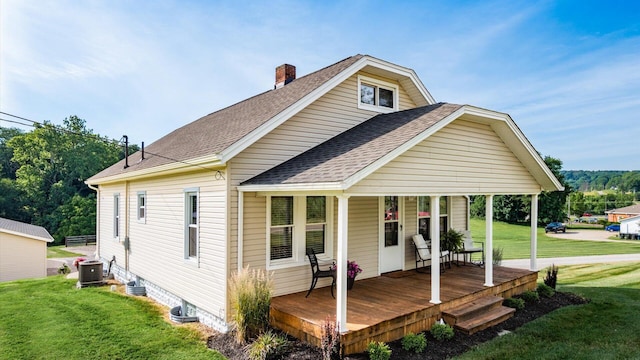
{"x": 387, "y": 307}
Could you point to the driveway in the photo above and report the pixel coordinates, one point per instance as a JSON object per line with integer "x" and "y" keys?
{"x": 88, "y": 252}
{"x": 572, "y": 234}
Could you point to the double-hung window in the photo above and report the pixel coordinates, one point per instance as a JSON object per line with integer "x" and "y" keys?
{"x": 424, "y": 216}
{"x": 192, "y": 220}
{"x": 281, "y": 227}
{"x": 142, "y": 206}
{"x": 377, "y": 95}
{"x": 295, "y": 224}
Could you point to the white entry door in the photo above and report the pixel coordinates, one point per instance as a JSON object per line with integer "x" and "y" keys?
{"x": 391, "y": 242}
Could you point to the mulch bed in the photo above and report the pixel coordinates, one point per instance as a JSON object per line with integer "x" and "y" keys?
{"x": 461, "y": 343}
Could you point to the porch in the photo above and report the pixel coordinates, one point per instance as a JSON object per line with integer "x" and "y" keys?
{"x": 387, "y": 307}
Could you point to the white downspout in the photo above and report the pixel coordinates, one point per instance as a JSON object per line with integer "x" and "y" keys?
{"x": 97, "y": 190}
{"x": 240, "y": 228}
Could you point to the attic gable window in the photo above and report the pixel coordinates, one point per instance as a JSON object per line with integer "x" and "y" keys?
{"x": 377, "y": 95}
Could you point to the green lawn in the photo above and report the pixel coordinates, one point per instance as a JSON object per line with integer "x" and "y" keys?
{"x": 60, "y": 251}
{"x": 51, "y": 319}
{"x": 606, "y": 328}
{"x": 515, "y": 242}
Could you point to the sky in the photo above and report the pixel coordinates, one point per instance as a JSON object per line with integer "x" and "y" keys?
{"x": 568, "y": 72}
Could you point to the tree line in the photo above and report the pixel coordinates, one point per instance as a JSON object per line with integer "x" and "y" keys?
{"x": 585, "y": 180}
{"x": 42, "y": 174}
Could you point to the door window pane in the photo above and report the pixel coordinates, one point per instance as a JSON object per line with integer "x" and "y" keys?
{"x": 391, "y": 234}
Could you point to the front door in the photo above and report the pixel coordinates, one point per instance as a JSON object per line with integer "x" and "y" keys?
{"x": 391, "y": 239}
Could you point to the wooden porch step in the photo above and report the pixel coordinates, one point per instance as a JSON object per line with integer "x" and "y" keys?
{"x": 471, "y": 309}
{"x": 488, "y": 319}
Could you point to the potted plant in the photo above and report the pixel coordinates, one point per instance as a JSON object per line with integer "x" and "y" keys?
{"x": 353, "y": 269}
{"x": 451, "y": 240}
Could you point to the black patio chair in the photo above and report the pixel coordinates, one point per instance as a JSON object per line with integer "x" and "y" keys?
{"x": 317, "y": 273}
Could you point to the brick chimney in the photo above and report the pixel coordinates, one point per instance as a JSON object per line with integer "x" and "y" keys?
{"x": 284, "y": 74}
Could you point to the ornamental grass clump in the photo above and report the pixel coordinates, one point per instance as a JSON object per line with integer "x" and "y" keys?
{"x": 515, "y": 303}
{"x": 552, "y": 276}
{"x": 268, "y": 345}
{"x": 530, "y": 296}
{"x": 250, "y": 291}
{"x": 545, "y": 290}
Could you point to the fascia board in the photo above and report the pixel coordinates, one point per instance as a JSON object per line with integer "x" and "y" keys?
{"x": 360, "y": 175}
{"x": 290, "y": 111}
{"x": 203, "y": 163}
{"x": 306, "y": 187}
{"x": 16, "y": 233}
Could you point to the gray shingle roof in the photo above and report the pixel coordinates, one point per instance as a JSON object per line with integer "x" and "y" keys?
{"x": 217, "y": 131}
{"x": 25, "y": 229}
{"x": 344, "y": 155}
{"x": 633, "y": 209}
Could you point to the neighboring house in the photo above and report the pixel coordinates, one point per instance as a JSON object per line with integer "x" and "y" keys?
{"x": 351, "y": 160}
{"x": 23, "y": 250}
{"x": 616, "y": 215}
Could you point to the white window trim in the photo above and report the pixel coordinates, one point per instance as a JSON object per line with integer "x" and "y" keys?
{"x": 141, "y": 194}
{"x": 191, "y": 259}
{"x": 379, "y": 84}
{"x": 299, "y": 256}
{"x": 430, "y": 211}
{"x": 116, "y": 216}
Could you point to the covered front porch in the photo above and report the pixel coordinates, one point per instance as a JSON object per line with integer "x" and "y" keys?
{"x": 385, "y": 308}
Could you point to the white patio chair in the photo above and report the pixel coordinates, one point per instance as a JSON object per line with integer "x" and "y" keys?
{"x": 468, "y": 248}
{"x": 423, "y": 252}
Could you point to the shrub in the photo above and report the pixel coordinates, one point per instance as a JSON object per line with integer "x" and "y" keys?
{"x": 415, "y": 343}
{"x": 441, "y": 332}
{"x": 250, "y": 292}
{"x": 545, "y": 290}
{"x": 515, "y": 303}
{"x": 552, "y": 276}
{"x": 497, "y": 256}
{"x": 64, "y": 269}
{"x": 330, "y": 341}
{"x": 530, "y": 296}
{"x": 268, "y": 346}
{"x": 378, "y": 351}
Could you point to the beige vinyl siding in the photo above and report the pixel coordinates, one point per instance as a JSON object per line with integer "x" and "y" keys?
{"x": 462, "y": 158}
{"x": 458, "y": 209}
{"x": 22, "y": 257}
{"x": 108, "y": 246}
{"x": 363, "y": 242}
{"x": 330, "y": 115}
{"x": 157, "y": 246}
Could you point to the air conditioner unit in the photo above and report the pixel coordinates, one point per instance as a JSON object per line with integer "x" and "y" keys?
{"x": 90, "y": 273}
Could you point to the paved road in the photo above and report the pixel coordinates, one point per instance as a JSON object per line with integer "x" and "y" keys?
{"x": 592, "y": 235}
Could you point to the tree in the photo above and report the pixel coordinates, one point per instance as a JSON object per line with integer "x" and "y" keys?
{"x": 552, "y": 204}
{"x": 53, "y": 163}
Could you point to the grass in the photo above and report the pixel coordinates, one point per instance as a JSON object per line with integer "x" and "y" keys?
{"x": 606, "y": 328}
{"x": 60, "y": 251}
{"x": 51, "y": 319}
{"x": 515, "y": 241}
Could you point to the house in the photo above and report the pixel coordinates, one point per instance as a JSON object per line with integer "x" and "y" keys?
{"x": 350, "y": 160}
{"x": 616, "y": 215}
{"x": 23, "y": 250}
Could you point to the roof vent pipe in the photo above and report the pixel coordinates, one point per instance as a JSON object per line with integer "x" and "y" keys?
{"x": 142, "y": 151}
{"x": 285, "y": 74}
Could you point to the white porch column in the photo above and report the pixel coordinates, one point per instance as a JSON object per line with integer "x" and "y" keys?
{"x": 435, "y": 249}
{"x": 534, "y": 233}
{"x": 341, "y": 281}
{"x": 488, "y": 262}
